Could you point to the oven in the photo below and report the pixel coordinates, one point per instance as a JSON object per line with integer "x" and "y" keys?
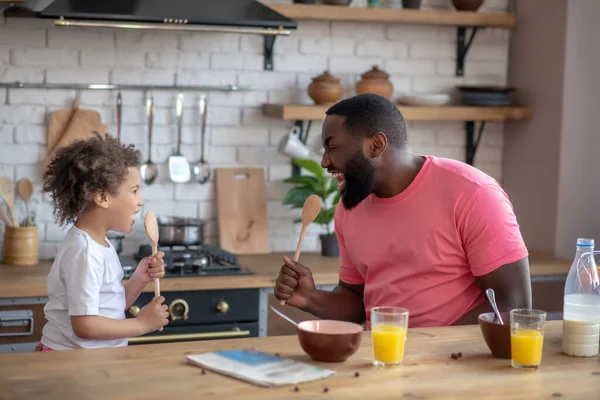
{"x": 203, "y": 315}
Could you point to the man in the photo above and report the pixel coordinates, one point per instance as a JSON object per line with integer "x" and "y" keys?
{"x": 420, "y": 232}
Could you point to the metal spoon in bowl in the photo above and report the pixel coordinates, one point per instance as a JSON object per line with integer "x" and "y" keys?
{"x": 149, "y": 170}
{"x": 492, "y": 298}
{"x": 282, "y": 315}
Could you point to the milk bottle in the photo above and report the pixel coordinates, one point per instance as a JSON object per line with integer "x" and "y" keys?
{"x": 581, "y": 311}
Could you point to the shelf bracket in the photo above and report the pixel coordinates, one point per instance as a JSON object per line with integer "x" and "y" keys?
{"x": 462, "y": 47}
{"x": 472, "y": 143}
{"x": 269, "y": 43}
{"x": 301, "y": 128}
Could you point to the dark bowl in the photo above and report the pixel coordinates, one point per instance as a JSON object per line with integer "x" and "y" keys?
{"x": 467, "y": 5}
{"x": 329, "y": 340}
{"x": 496, "y": 336}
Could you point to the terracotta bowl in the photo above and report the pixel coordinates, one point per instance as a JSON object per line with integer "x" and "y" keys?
{"x": 496, "y": 336}
{"x": 328, "y": 340}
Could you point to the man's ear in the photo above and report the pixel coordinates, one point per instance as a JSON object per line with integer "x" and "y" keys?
{"x": 378, "y": 144}
{"x": 101, "y": 199}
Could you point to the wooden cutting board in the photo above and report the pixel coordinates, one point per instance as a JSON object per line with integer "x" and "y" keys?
{"x": 67, "y": 126}
{"x": 242, "y": 210}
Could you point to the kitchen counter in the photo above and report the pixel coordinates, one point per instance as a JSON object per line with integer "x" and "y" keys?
{"x": 30, "y": 281}
{"x": 159, "y": 371}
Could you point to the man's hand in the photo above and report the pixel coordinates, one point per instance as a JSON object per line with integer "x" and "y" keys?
{"x": 295, "y": 284}
{"x": 150, "y": 267}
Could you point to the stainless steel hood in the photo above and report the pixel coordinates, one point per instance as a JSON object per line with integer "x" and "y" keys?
{"x": 240, "y": 16}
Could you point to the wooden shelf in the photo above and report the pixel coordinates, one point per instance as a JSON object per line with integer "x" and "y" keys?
{"x": 411, "y": 113}
{"x": 362, "y": 14}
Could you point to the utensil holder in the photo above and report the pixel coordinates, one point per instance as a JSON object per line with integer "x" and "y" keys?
{"x": 21, "y": 245}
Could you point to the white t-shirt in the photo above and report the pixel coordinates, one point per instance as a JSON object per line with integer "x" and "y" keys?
{"x": 85, "y": 279}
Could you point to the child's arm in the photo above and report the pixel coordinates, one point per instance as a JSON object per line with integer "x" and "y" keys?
{"x": 148, "y": 269}
{"x": 94, "y": 327}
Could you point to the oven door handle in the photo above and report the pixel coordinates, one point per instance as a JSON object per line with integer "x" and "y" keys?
{"x": 189, "y": 336}
{"x": 16, "y": 318}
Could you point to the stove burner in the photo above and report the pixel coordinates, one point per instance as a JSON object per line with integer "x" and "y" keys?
{"x": 181, "y": 261}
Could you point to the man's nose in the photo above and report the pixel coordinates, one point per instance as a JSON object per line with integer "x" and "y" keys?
{"x": 325, "y": 161}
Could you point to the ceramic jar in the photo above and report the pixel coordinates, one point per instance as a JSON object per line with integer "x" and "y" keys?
{"x": 325, "y": 89}
{"x": 375, "y": 81}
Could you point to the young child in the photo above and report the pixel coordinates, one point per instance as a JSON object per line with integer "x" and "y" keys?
{"x": 95, "y": 184}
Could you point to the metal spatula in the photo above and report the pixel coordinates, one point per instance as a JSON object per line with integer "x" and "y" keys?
{"x": 179, "y": 167}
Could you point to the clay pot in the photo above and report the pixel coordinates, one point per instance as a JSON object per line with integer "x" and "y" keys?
{"x": 375, "y": 81}
{"x": 325, "y": 89}
{"x": 467, "y": 5}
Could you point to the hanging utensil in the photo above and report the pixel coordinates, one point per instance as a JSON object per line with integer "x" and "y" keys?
{"x": 7, "y": 192}
{"x": 179, "y": 167}
{"x": 119, "y": 114}
{"x": 149, "y": 170}
{"x": 310, "y": 211}
{"x": 201, "y": 169}
{"x": 25, "y": 190}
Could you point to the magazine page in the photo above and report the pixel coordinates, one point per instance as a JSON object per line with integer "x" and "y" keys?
{"x": 259, "y": 368}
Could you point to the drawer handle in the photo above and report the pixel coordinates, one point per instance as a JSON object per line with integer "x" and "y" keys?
{"x": 187, "y": 336}
{"x": 16, "y": 318}
{"x": 222, "y": 307}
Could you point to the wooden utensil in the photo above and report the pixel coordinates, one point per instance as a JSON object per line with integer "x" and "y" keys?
{"x": 310, "y": 210}
{"x": 151, "y": 226}
{"x": 7, "y": 192}
{"x": 25, "y": 190}
{"x": 3, "y": 217}
{"x": 242, "y": 210}
{"x": 82, "y": 125}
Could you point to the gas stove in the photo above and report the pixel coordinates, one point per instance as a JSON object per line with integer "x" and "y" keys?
{"x": 186, "y": 261}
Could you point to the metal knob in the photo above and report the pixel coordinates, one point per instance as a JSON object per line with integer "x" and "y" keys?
{"x": 134, "y": 310}
{"x": 222, "y": 307}
{"x": 178, "y": 310}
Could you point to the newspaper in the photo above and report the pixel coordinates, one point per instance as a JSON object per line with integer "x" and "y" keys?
{"x": 262, "y": 369}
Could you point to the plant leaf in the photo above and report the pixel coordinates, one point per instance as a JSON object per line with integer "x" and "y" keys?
{"x": 311, "y": 166}
{"x": 296, "y": 196}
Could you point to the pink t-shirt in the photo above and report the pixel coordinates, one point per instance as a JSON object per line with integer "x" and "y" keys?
{"x": 423, "y": 248}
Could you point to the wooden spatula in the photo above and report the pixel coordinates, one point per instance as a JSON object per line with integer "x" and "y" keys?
{"x": 310, "y": 210}
{"x": 7, "y": 192}
{"x": 152, "y": 231}
{"x": 25, "y": 190}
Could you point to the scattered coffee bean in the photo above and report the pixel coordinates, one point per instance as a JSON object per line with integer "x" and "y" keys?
{"x": 296, "y": 389}
{"x": 556, "y": 394}
{"x": 325, "y": 390}
{"x": 357, "y": 374}
{"x": 454, "y": 356}
{"x": 203, "y": 372}
{"x": 596, "y": 373}
{"x": 276, "y": 354}
{"x": 459, "y": 354}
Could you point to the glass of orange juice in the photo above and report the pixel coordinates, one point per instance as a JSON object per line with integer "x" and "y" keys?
{"x": 526, "y": 338}
{"x": 388, "y": 331}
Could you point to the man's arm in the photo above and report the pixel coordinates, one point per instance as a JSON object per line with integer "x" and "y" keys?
{"x": 344, "y": 302}
{"x": 512, "y": 286}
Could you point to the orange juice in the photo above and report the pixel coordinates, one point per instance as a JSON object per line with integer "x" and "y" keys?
{"x": 388, "y": 344}
{"x": 526, "y": 347}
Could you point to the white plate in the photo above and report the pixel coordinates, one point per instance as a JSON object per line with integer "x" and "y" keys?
{"x": 438, "y": 99}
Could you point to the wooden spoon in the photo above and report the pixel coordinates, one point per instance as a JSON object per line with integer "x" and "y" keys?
{"x": 7, "y": 192}
{"x": 310, "y": 210}
{"x": 152, "y": 231}
{"x": 25, "y": 190}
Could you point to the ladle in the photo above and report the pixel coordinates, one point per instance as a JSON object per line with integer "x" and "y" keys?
{"x": 149, "y": 170}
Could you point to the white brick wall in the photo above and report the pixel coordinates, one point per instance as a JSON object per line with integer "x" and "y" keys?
{"x": 419, "y": 58}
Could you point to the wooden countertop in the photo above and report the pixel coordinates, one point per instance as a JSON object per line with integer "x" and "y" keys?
{"x": 30, "y": 281}
{"x": 160, "y": 371}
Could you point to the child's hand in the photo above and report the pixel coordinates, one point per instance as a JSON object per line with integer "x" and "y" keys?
{"x": 151, "y": 267}
{"x": 154, "y": 315}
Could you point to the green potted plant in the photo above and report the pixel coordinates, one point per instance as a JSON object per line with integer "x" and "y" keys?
{"x": 326, "y": 187}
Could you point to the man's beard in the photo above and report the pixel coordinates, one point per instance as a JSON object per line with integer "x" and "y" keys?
{"x": 359, "y": 176}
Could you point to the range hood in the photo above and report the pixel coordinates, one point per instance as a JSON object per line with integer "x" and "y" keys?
{"x": 238, "y": 16}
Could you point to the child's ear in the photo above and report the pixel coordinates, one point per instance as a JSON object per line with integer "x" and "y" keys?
{"x": 101, "y": 199}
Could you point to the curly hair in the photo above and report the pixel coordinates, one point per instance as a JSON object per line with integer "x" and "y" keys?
{"x": 84, "y": 167}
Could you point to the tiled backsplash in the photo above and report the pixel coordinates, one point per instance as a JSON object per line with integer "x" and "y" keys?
{"x": 419, "y": 58}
